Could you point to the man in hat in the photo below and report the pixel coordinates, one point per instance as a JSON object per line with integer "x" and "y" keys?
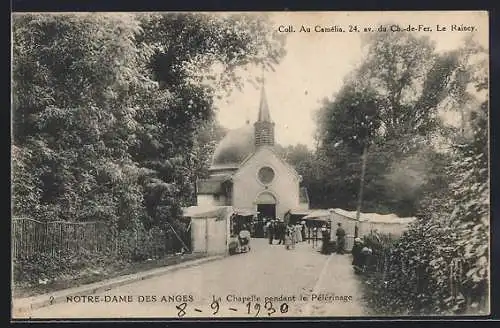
{"x": 340, "y": 239}
{"x": 271, "y": 231}
{"x": 279, "y": 231}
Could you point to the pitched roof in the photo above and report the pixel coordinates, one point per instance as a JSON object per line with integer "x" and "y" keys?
{"x": 212, "y": 185}
{"x": 273, "y": 150}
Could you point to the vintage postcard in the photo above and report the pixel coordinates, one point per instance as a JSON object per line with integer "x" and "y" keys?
{"x": 250, "y": 165}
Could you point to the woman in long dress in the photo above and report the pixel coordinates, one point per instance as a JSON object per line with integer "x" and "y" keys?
{"x": 298, "y": 233}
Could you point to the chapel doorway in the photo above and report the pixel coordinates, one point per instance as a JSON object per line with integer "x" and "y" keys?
{"x": 266, "y": 211}
{"x": 266, "y": 206}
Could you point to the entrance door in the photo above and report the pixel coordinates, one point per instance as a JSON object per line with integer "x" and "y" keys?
{"x": 266, "y": 206}
{"x": 266, "y": 210}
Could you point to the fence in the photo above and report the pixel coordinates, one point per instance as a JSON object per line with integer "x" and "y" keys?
{"x": 314, "y": 236}
{"x": 30, "y": 237}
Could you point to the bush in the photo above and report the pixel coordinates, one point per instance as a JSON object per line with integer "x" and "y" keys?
{"x": 381, "y": 245}
{"x": 140, "y": 244}
{"x": 45, "y": 266}
{"x": 423, "y": 273}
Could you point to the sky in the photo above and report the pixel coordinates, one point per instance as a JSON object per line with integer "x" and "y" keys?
{"x": 316, "y": 64}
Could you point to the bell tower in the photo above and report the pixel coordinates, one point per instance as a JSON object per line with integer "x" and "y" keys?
{"x": 264, "y": 127}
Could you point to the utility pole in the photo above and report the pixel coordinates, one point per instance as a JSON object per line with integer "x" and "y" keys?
{"x": 362, "y": 182}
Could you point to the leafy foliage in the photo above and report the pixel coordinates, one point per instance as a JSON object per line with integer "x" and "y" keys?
{"x": 109, "y": 108}
{"x": 112, "y": 112}
{"x": 392, "y": 105}
{"x": 440, "y": 265}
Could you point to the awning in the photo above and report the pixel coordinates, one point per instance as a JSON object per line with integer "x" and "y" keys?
{"x": 301, "y": 212}
{"x": 205, "y": 211}
{"x": 318, "y": 215}
{"x": 374, "y": 217}
{"x": 244, "y": 212}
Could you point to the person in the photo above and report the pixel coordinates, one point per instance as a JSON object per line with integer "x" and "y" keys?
{"x": 244, "y": 237}
{"x": 364, "y": 259}
{"x": 281, "y": 231}
{"x": 325, "y": 239}
{"x": 314, "y": 236}
{"x": 288, "y": 241}
{"x": 303, "y": 229}
{"x": 298, "y": 233}
{"x": 293, "y": 234}
{"x": 340, "y": 239}
{"x": 356, "y": 251}
{"x": 271, "y": 230}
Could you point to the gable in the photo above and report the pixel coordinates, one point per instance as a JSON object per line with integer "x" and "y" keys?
{"x": 269, "y": 156}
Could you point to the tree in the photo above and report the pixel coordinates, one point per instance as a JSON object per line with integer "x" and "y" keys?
{"x": 194, "y": 57}
{"x": 72, "y": 111}
{"x": 393, "y": 102}
{"x": 409, "y": 77}
{"x": 449, "y": 241}
{"x": 107, "y": 108}
{"x": 353, "y": 118}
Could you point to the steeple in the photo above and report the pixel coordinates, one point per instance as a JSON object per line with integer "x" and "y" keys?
{"x": 264, "y": 127}
{"x": 264, "y": 115}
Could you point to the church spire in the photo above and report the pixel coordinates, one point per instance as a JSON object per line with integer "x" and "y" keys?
{"x": 264, "y": 127}
{"x": 264, "y": 115}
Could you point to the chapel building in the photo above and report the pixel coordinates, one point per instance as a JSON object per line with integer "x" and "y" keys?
{"x": 248, "y": 173}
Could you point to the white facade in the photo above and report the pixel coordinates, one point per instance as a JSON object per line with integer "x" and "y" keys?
{"x": 249, "y": 191}
{"x": 248, "y": 174}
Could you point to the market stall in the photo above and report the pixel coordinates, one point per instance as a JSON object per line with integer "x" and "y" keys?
{"x": 295, "y": 216}
{"x": 242, "y": 217}
{"x": 210, "y": 228}
{"x": 371, "y": 222}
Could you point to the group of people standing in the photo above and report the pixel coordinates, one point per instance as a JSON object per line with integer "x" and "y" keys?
{"x": 290, "y": 234}
{"x": 325, "y": 237}
{"x": 286, "y": 234}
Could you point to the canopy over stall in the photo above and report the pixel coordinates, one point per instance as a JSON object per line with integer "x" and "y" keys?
{"x": 318, "y": 218}
{"x": 318, "y": 215}
{"x": 294, "y": 216}
{"x": 385, "y": 223}
{"x": 300, "y": 212}
{"x": 245, "y": 212}
{"x": 205, "y": 211}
